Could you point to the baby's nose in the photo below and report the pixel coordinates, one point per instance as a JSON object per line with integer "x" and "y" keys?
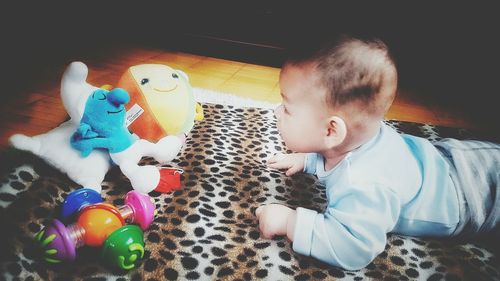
{"x": 118, "y": 96}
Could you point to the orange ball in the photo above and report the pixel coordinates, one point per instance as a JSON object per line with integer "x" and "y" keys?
{"x": 99, "y": 221}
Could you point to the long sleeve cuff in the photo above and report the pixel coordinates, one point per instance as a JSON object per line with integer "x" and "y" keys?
{"x": 303, "y": 232}
{"x": 310, "y": 163}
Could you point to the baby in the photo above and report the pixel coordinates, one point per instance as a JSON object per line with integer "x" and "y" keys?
{"x": 377, "y": 181}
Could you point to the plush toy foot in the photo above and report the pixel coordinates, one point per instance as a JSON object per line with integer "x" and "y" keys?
{"x": 144, "y": 179}
{"x": 170, "y": 180}
{"x": 23, "y": 142}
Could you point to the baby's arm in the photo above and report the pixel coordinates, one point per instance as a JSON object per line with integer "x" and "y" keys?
{"x": 350, "y": 234}
{"x": 352, "y": 231}
{"x": 292, "y": 163}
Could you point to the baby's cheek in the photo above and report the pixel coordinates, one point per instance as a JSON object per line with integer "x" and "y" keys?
{"x": 278, "y": 125}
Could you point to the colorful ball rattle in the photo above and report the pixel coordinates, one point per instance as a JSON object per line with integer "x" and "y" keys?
{"x": 100, "y": 224}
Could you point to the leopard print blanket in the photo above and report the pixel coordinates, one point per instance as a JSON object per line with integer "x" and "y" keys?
{"x": 208, "y": 230}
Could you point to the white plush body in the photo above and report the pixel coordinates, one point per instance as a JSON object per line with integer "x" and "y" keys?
{"x": 55, "y": 148}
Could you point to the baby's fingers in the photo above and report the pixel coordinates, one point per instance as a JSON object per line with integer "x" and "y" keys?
{"x": 258, "y": 211}
{"x": 266, "y": 234}
{"x": 273, "y": 159}
{"x": 266, "y": 229}
{"x": 294, "y": 169}
{"x": 279, "y": 165}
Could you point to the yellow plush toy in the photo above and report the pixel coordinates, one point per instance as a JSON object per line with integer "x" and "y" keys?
{"x": 161, "y": 101}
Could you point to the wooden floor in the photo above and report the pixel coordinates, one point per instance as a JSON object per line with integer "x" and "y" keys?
{"x": 38, "y": 108}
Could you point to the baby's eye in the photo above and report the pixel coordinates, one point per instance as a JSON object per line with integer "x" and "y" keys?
{"x": 174, "y": 75}
{"x": 144, "y": 81}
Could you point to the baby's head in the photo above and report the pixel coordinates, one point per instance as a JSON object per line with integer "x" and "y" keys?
{"x": 336, "y": 94}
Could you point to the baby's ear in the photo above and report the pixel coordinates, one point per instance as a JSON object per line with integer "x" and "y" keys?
{"x": 336, "y": 131}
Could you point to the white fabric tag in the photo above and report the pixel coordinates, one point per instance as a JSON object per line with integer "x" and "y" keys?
{"x": 133, "y": 113}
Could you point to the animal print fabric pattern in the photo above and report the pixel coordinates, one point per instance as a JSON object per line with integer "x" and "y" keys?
{"x": 208, "y": 230}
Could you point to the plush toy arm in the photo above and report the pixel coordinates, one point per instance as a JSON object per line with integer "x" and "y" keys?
{"x": 84, "y": 131}
{"x": 85, "y": 146}
{"x": 82, "y": 145}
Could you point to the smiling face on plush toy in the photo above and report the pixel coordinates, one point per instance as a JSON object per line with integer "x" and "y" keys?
{"x": 165, "y": 96}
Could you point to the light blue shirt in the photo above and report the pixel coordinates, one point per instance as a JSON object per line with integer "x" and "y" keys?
{"x": 393, "y": 183}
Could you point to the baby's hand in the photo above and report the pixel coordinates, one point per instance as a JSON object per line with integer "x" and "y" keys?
{"x": 276, "y": 219}
{"x": 292, "y": 163}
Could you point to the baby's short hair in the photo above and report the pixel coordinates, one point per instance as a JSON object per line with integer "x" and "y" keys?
{"x": 353, "y": 70}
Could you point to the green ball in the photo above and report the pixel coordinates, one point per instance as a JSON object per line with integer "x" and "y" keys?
{"x": 124, "y": 247}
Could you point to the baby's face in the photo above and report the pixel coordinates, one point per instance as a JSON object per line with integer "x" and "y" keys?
{"x": 302, "y": 116}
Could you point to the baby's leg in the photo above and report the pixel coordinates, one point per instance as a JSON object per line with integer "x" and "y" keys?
{"x": 475, "y": 170}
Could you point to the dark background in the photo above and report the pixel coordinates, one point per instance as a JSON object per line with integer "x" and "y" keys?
{"x": 446, "y": 52}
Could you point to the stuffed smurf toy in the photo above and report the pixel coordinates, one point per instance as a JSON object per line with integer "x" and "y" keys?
{"x": 103, "y": 127}
{"x": 56, "y": 148}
